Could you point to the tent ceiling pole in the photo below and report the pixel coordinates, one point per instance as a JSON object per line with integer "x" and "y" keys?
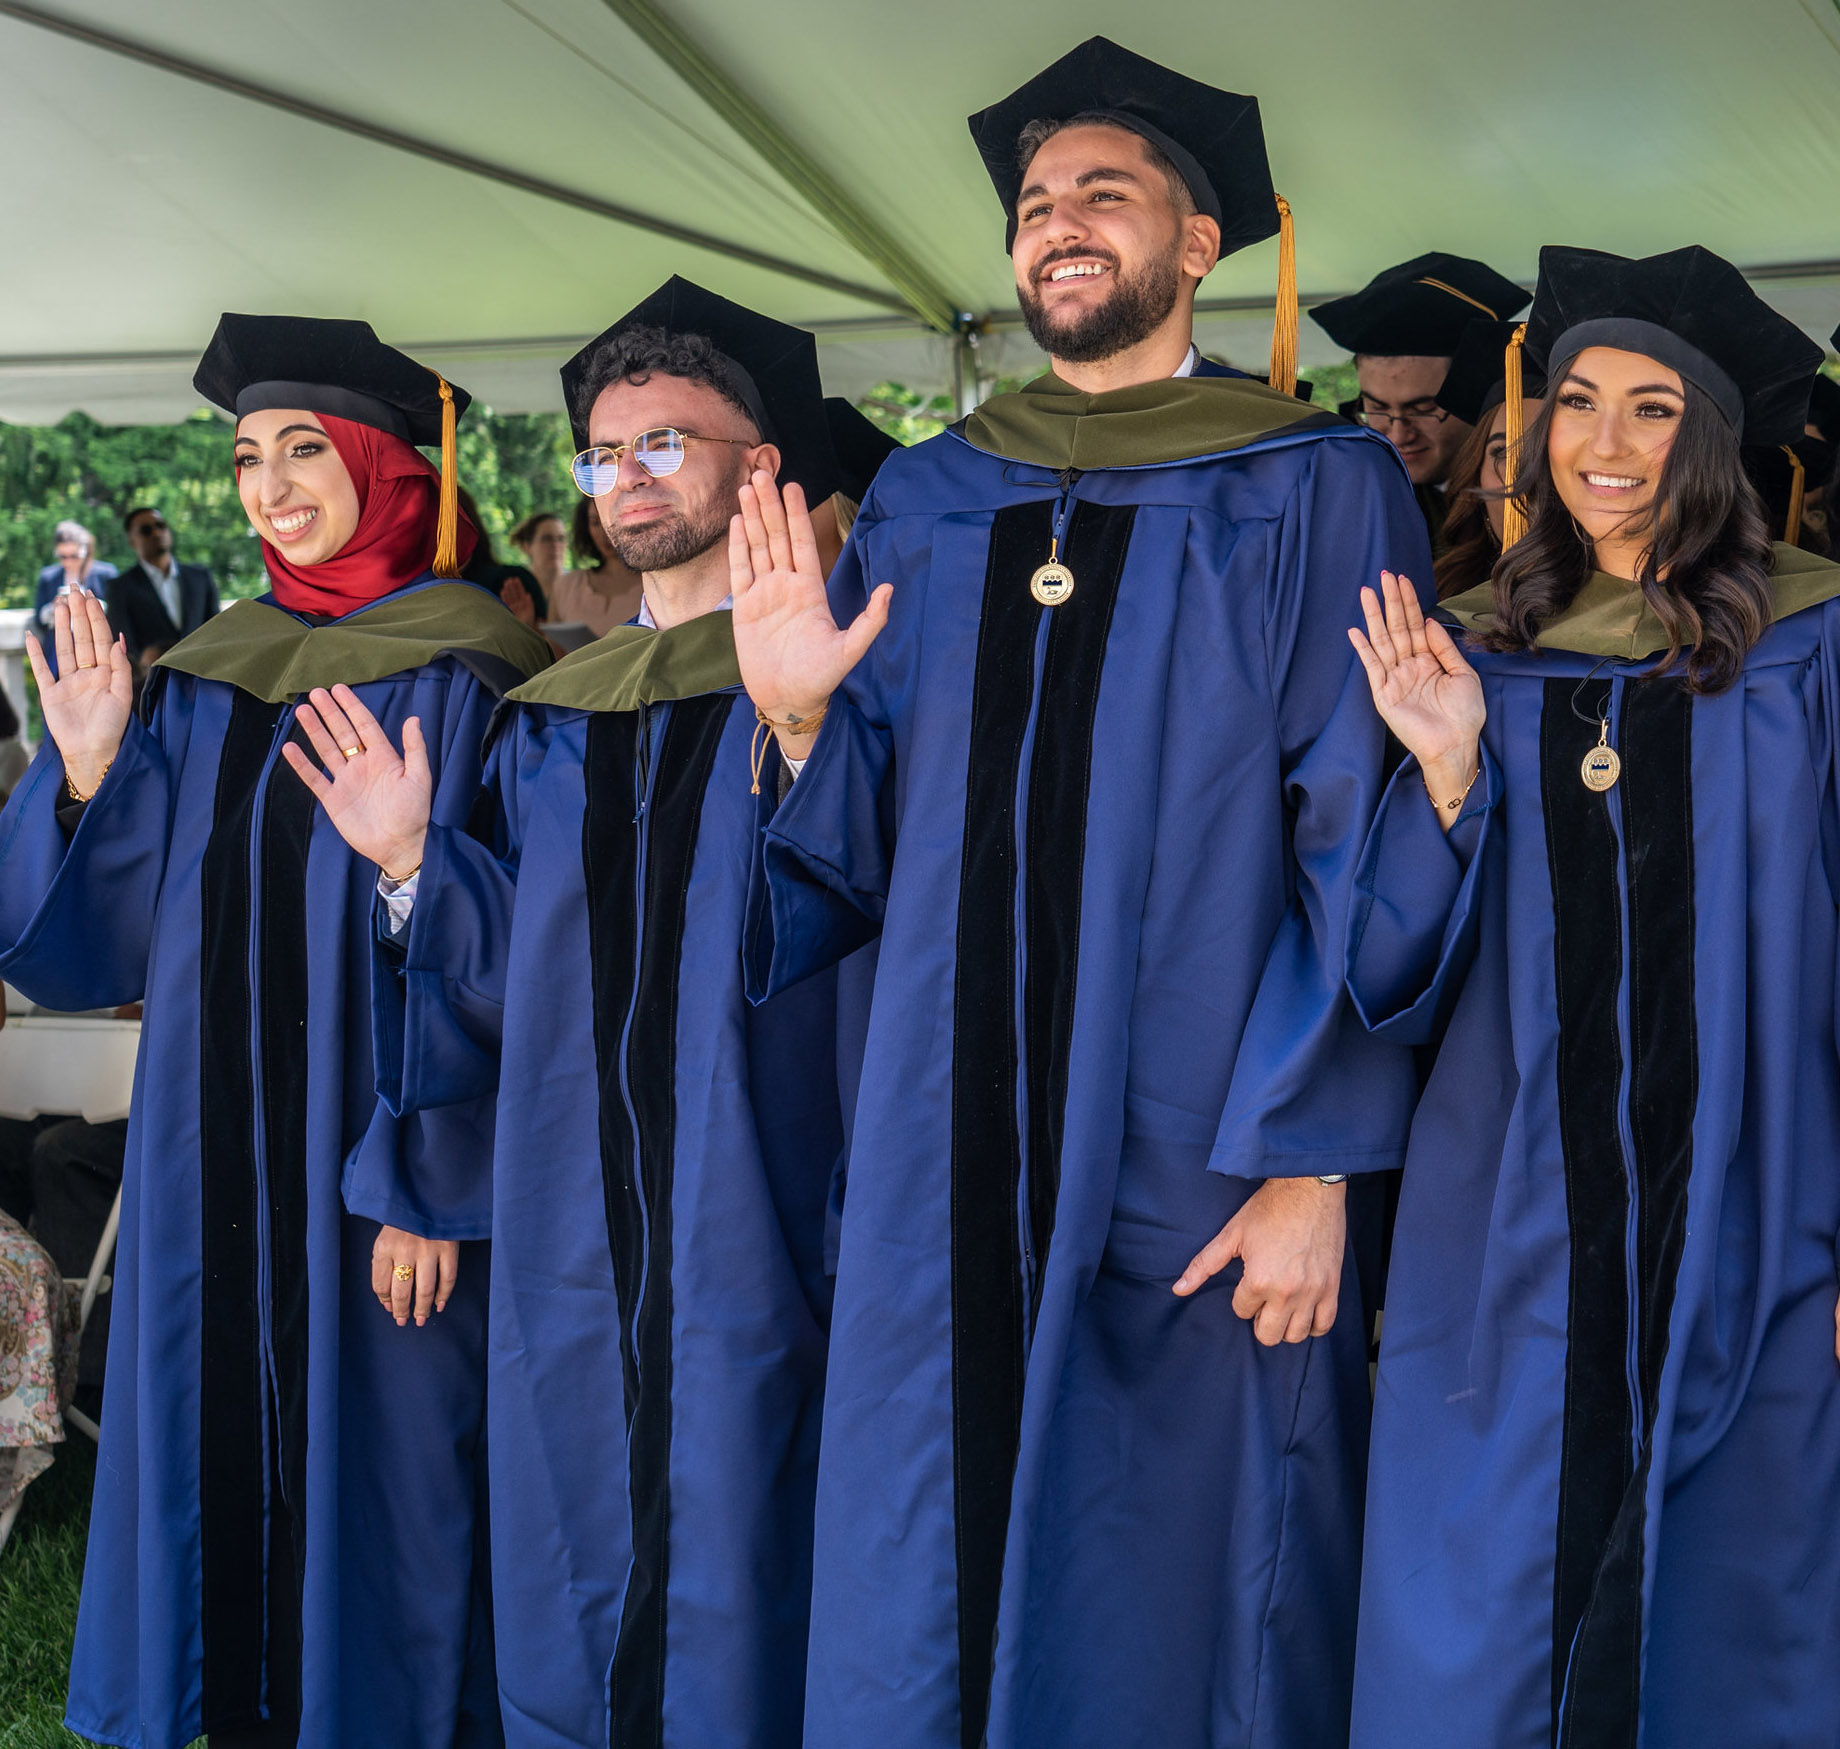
{"x": 820, "y": 190}
{"x": 361, "y": 129}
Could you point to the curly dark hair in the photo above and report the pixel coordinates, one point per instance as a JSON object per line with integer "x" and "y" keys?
{"x": 1706, "y": 570}
{"x": 634, "y": 355}
{"x": 1470, "y": 546}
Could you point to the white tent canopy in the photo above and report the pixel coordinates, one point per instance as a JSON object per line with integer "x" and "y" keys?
{"x": 490, "y": 181}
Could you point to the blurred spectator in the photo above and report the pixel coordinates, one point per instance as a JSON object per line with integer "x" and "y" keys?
{"x": 157, "y": 601}
{"x": 600, "y": 593}
{"x": 544, "y": 541}
{"x": 76, "y": 563}
{"x": 516, "y": 587}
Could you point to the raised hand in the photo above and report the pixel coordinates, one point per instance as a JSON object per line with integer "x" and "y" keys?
{"x": 1423, "y": 689}
{"x": 88, "y": 703}
{"x": 792, "y": 653}
{"x": 1290, "y": 1234}
{"x": 378, "y": 801}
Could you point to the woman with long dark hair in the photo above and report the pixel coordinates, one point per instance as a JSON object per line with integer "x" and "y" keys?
{"x": 1604, "y": 1497}
{"x": 283, "y": 1540}
{"x": 1475, "y": 391}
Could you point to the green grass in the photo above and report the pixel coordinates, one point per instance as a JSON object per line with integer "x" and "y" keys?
{"x": 40, "y": 1571}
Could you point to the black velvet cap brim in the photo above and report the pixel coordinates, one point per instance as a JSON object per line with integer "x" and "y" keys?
{"x": 1701, "y": 300}
{"x": 270, "y": 361}
{"x": 1213, "y": 137}
{"x": 1476, "y": 381}
{"x": 780, "y": 363}
{"x": 1420, "y": 308}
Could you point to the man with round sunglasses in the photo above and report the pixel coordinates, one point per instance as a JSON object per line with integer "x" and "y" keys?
{"x": 666, "y": 1157}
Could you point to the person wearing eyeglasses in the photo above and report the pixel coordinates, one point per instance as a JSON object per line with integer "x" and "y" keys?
{"x": 666, "y": 1156}
{"x": 1403, "y": 327}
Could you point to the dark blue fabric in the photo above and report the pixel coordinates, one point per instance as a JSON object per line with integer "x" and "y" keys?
{"x": 394, "y": 1633}
{"x": 496, "y": 988}
{"x": 1183, "y": 1511}
{"x": 1724, "y": 1553}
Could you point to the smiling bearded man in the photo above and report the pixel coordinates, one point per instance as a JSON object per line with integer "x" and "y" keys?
{"x": 665, "y": 1153}
{"x": 1097, "y": 785}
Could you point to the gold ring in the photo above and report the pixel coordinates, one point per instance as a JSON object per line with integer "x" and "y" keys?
{"x": 405, "y": 1272}
{"x": 86, "y": 664}
{"x": 352, "y": 752}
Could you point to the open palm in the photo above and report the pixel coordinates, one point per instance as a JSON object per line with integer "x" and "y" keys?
{"x": 1423, "y": 689}
{"x": 793, "y": 654}
{"x": 378, "y": 801}
{"x": 88, "y": 702}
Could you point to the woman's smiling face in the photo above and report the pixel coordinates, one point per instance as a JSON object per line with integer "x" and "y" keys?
{"x": 1614, "y": 418}
{"x": 296, "y": 490}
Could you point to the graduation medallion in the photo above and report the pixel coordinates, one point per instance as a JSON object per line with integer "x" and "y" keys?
{"x": 1052, "y": 582}
{"x": 1601, "y": 767}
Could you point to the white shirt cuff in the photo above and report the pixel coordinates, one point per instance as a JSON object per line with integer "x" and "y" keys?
{"x": 398, "y": 898}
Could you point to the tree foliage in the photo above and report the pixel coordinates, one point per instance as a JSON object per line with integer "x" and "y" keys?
{"x": 95, "y": 474}
{"x": 512, "y": 463}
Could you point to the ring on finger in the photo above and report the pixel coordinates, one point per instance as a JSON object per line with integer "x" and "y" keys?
{"x": 404, "y": 1272}
{"x": 352, "y": 752}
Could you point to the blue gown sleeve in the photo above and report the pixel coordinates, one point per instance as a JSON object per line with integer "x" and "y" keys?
{"x": 438, "y": 996}
{"x": 77, "y": 913}
{"x": 820, "y": 880}
{"x": 1313, "y": 1092}
{"x": 1412, "y": 929}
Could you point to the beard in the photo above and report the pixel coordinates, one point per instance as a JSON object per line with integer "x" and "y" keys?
{"x": 1139, "y": 304}
{"x": 666, "y": 542}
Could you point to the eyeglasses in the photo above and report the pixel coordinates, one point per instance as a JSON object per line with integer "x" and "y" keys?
{"x": 660, "y": 453}
{"x": 1418, "y": 413}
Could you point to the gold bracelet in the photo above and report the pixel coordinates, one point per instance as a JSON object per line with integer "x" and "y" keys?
{"x": 1451, "y": 807}
{"x": 401, "y": 878}
{"x": 70, "y": 789}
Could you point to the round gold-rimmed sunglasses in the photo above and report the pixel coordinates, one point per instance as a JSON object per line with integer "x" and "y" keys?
{"x": 660, "y": 452}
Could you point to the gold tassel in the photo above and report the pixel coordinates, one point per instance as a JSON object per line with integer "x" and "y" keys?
{"x": 1284, "y": 324}
{"x": 1513, "y": 512}
{"x": 1798, "y": 480}
{"x": 447, "y": 527}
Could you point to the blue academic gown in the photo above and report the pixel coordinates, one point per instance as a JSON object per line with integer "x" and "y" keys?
{"x": 665, "y": 1157}
{"x": 1106, "y": 848}
{"x": 1605, "y": 1492}
{"x": 274, "y": 1449}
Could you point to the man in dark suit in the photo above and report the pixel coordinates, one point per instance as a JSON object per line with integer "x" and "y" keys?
{"x": 154, "y": 603}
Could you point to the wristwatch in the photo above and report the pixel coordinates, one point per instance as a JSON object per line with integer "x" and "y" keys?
{"x": 1332, "y": 1178}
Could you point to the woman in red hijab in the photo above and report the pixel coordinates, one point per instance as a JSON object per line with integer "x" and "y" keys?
{"x": 283, "y": 1539}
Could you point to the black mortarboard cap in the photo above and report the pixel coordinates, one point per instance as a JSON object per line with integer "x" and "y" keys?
{"x": 860, "y": 444}
{"x": 771, "y": 368}
{"x": 1419, "y": 308}
{"x": 1476, "y": 383}
{"x": 1690, "y": 310}
{"x": 1213, "y": 137}
{"x": 325, "y": 366}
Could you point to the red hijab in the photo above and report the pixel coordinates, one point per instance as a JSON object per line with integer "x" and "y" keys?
{"x": 399, "y": 501}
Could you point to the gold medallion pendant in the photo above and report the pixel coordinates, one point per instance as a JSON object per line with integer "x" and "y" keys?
{"x": 1051, "y": 584}
{"x": 1601, "y": 767}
